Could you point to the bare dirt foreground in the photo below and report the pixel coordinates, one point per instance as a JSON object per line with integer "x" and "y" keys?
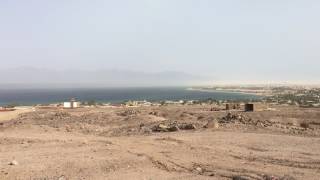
{"x": 175, "y": 142}
{"x": 5, "y": 115}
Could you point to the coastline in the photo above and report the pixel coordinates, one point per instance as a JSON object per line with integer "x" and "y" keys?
{"x": 236, "y": 91}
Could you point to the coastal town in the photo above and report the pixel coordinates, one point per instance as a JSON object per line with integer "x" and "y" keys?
{"x": 297, "y": 95}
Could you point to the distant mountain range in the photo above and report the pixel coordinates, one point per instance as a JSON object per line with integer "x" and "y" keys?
{"x": 29, "y": 77}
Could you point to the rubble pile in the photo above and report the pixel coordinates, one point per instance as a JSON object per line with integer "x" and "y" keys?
{"x": 235, "y": 118}
{"x": 172, "y": 127}
{"x": 129, "y": 112}
{"x": 215, "y": 109}
{"x": 242, "y": 119}
{"x": 61, "y": 115}
{"x": 186, "y": 126}
{"x": 126, "y": 121}
{"x": 154, "y": 113}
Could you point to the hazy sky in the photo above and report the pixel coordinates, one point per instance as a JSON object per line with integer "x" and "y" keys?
{"x": 229, "y": 40}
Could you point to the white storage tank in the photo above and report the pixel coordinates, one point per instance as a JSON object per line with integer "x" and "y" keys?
{"x": 71, "y": 104}
{"x": 76, "y": 104}
{"x": 67, "y": 105}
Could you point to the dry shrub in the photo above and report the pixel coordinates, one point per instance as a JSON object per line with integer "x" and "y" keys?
{"x": 304, "y": 125}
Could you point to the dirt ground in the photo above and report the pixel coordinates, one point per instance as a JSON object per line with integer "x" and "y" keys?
{"x": 156, "y": 143}
{"x": 7, "y": 115}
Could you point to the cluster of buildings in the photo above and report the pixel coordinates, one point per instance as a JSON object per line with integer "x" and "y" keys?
{"x": 247, "y": 107}
{"x": 147, "y": 103}
{"x": 298, "y": 97}
{"x": 138, "y": 103}
{"x": 73, "y": 103}
{"x": 4, "y": 109}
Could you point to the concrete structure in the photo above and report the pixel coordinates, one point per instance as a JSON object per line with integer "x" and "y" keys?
{"x": 232, "y": 106}
{"x": 249, "y": 107}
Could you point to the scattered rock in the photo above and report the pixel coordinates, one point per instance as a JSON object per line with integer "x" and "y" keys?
{"x": 172, "y": 127}
{"x": 235, "y": 117}
{"x": 239, "y": 178}
{"x": 62, "y": 178}
{"x": 212, "y": 124}
{"x": 13, "y": 163}
{"x": 68, "y": 128}
{"x": 62, "y": 115}
{"x": 267, "y": 177}
{"x": 154, "y": 113}
{"x": 201, "y": 117}
{"x": 160, "y": 128}
{"x": 215, "y": 109}
{"x": 286, "y": 177}
{"x": 186, "y": 115}
{"x": 85, "y": 142}
{"x": 271, "y": 177}
{"x": 145, "y": 130}
{"x": 187, "y": 126}
{"x": 129, "y": 112}
{"x": 242, "y": 119}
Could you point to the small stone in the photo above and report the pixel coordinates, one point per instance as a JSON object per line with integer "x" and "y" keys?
{"x": 160, "y": 128}
{"x": 187, "y": 126}
{"x": 239, "y": 178}
{"x": 199, "y": 169}
{"x": 14, "y": 163}
{"x": 62, "y": 178}
{"x": 68, "y": 129}
{"x": 85, "y": 142}
{"x": 173, "y": 128}
{"x": 146, "y": 130}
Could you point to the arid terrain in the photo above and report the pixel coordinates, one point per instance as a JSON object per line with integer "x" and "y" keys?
{"x": 156, "y": 143}
{"x": 7, "y": 115}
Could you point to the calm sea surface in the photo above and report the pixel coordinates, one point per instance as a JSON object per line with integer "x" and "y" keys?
{"x": 44, "y": 96}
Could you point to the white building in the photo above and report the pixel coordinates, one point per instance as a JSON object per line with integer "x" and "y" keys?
{"x": 71, "y": 104}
